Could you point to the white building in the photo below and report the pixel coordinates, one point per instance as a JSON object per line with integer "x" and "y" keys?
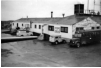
{"x": 21, "y": 23}
{"x": 67, "y": 26}
{"x": 38, "y": 25}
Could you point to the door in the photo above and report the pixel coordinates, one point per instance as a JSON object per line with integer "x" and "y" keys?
{"x": 17, "y": 24}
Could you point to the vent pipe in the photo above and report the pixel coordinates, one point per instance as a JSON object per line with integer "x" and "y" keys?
{"x": 63, "y": 15}
{"x": 27, "y": 16}
{"x": 51, "y": 14}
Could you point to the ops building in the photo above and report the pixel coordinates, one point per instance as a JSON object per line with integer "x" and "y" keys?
{"x": 64, "y": 26}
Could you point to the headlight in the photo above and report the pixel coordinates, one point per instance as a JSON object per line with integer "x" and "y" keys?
{"x": 73, "y": 42}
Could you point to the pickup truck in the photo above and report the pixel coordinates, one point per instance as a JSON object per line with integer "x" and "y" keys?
{"x": 24, "y": 33}
{"x": 56, "y": 39}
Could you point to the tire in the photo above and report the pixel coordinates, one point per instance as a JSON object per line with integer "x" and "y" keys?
{"x": 56, "y": 42}
{"x": 77, "y": 45}
{"x": 22, "y": 35}
{"x": 70, "y": 46}
{"x": 52, "y": 43}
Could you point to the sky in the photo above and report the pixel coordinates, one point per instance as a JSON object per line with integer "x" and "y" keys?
{"x": 16, "y": 9}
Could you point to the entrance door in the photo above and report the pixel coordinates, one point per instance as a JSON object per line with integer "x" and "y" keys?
{"x": 17, "y": 24}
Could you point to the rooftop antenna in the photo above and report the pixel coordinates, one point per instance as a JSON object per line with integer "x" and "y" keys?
{"x": 94, "y": 5}
{"x": 88, "y": 6}
{"x": 100, "y": 7}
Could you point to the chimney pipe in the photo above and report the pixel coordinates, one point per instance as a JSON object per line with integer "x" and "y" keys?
{"x": 63, "y": 15}
{"x": 51, "y": 14}
{"x": 27, "y": 16}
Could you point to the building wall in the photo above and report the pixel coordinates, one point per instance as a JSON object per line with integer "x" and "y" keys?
{"x": 14, "y": 25}
{"x": 57, "y": 30}
{"x": 37, "y": 29}
{"x": 87, "y": 24}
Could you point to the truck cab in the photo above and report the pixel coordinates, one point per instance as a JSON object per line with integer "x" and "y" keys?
{"x": 78, "y": 39}
{"x": 55, "y": 39}
{"x": 75, "y": 42}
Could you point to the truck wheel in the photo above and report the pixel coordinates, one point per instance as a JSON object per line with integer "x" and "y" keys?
{"x": 77, "y": 45}
{"x": 70, "y": 46}
{"x": 21, "y": 35}
{"x": 56, "y": 42}
{"x": 64, "y": 41}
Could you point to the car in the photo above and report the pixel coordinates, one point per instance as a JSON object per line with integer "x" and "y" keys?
{"x": 24, "y": 33}
{"x": 56, "y": 39}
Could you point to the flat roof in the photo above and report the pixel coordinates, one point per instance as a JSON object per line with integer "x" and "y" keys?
{"x": 68, "y": 20}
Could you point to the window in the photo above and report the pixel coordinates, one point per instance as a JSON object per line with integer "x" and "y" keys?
{"x": 79, "y": 28}
{"x": 92, "y": 27}
{"x": 98, "y": 27}
{"x": 13, "y": 23}
{"x": 51, "y": 28}
{"x": 22, "y": 24}
{"x": 17, "y": 24}
{"x": 35, "y": 26}
{"x": 39, "y": 26}
{"x": 64, "y": 29}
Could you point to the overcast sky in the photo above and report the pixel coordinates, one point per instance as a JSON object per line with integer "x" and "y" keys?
{"x": 15, "y": 9}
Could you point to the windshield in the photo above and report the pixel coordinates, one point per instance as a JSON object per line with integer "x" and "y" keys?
{"x": 77, "y": 35}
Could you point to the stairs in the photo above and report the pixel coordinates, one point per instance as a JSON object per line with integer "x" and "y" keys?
{"x": 41, "y": 37}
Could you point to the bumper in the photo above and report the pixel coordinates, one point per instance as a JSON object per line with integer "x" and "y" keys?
{"x": 72, "y": 44}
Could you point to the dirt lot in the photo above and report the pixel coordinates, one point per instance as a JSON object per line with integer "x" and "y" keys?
{"x": 35, "y": 53}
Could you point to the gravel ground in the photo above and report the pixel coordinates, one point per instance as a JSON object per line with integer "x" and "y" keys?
{"x": 35, "y": 53}
{"x": 5, "y": 33}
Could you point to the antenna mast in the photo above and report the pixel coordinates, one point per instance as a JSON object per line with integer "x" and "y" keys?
{"x": 100, "y": 7}
{"x": 88, "y": 6}
{"x": 94, "y": 5}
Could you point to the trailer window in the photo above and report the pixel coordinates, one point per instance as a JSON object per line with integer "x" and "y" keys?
{"x": 39, "y": 26}
{"x": 35, "y": 26}
{"x": 64, "y": 29}
{"x": 51, "y": 28}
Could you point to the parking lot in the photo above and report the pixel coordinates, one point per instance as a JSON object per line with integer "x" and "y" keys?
{"x": 36, "y": 53}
